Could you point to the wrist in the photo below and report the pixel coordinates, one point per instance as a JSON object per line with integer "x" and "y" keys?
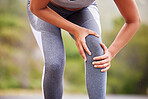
{"x": 73, "y": 29}
{"x": 112, "y": 53}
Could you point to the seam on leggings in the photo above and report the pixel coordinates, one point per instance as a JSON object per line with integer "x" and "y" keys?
{"x": 98, "y": 23}
{"x": 38, "y": 33}
{"x": 86, "y": 21}
{"x": 95, "y": 18}
{"x": 39, "y": 38}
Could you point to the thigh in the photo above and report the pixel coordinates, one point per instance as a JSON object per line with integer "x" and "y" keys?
{"x": 95, "y": 79}
{"x": 48, "y": 37}
{"x": 88, "y": 17}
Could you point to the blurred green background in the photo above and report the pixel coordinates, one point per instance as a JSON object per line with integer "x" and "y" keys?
{"x": 21, "y": 62}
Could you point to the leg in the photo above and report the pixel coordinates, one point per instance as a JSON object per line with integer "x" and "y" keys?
{"x": 95, "y": 79}
{"x": 54, "y": 65}
{"x": 50, "y": 42}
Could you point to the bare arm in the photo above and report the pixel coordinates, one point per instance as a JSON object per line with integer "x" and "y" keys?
{"x": 40, "y": 9}
{"x": 130, "y": 13}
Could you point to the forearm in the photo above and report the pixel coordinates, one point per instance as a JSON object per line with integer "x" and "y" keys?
{"x": 50, "y": 16}
{"x": 126, "y": 33}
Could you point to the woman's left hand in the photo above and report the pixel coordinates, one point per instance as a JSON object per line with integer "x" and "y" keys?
{"x": 104, "y": 60}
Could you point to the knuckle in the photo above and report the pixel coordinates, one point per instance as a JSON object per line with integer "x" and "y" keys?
{"x": 81, "y": 41}
{"x": 85, "y": 45}
{"x": 107, "y": 56}
{"x": 87, "y": 49}
{"x": 103, "y": 66}
{"x": 81, "y": 53}
{"x": 103, "y": 57}
{"x": 108, "y": 66}
{"x": 78, "y": 44}
{"x": 107, "y": 60}
{"x": 97, "y": 58}
{"x": 80, "y": 50}
{"x": 109, "y": 63}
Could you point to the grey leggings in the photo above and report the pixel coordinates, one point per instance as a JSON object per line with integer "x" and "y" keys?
{"x": 50, "y": 42}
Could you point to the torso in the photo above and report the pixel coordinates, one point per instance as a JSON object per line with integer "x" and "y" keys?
{"x": 72, "y": 4}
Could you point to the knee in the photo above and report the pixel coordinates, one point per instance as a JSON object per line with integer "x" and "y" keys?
{"x": 94, "y": 46}
{"x": 54, "y": 66}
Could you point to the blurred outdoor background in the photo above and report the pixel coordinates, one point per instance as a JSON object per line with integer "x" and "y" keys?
{"x": 21, "y": 61}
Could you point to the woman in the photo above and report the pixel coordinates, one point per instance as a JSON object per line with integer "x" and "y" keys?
{"x": 81, "y": 19}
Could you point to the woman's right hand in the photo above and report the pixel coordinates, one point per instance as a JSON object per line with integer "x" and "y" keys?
{"x": 48, "y": 15}
{"x": 79, "y": 36}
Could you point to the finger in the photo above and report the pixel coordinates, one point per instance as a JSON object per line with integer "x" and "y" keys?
{"x": 85, "y": 47}
{"x": 94, "y": 33}
{"x": 102, "y": 66}
{"x": 101, "y": 62}
{"x": 81, "y": 51}
{"x": 101, "y": 57}
{"x": 104, "y": 47}
{"x": 103, "y": 70}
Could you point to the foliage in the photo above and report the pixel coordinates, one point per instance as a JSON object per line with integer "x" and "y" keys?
{"x": 21, "y": 63}
{"x": 16, "y": 53}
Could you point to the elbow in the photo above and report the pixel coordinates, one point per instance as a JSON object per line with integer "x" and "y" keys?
{"x": 136, "y": 22}
{"x": 139, "y": 21}
{"x": 33, "y": 9}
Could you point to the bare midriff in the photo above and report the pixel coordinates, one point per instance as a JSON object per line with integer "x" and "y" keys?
{"x": 71, "y": 9}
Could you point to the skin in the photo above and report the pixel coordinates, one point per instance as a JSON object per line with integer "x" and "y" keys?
{"x": 128, "y": 10}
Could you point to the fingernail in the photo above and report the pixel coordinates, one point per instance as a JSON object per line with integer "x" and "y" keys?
{"x": 90, "y": 53}
{"x": 93, "y": 63}
{"x": 94, "y": 58}
{"x": 95, "y": 66}
{"x": 101, "y": 70}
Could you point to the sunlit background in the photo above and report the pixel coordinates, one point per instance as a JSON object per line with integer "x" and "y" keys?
{"x": 21, "y": 61}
